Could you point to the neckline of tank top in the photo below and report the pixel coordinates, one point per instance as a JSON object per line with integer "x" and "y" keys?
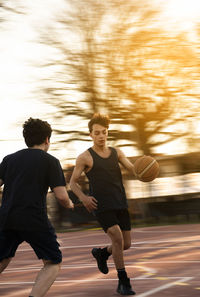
{"x": 103, "y": 157}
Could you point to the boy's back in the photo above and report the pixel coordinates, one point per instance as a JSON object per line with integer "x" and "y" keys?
{"x": 27, "y": 174}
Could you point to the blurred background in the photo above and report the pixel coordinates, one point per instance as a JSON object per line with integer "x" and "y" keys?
{"x": 137, "y": 61}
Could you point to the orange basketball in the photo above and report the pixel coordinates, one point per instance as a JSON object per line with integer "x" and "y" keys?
{"x": 146, "y": 168}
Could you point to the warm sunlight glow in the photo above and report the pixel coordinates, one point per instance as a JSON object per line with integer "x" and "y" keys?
{"x": 23, "y": 79}
{"x": 183, "y": 12}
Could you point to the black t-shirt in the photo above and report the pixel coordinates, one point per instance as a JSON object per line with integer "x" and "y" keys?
{"x": 27, "y": 175}
{"x": 105, "y": 182}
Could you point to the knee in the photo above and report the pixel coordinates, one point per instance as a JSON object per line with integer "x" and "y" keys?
{"x": 56, "y": 266}
{"x": 119, "y": 243}
{"x": 127, "y": 245}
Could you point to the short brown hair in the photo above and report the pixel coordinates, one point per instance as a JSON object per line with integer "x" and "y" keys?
{"x": 100, "y": 119}
{"x": 35, "y": 131}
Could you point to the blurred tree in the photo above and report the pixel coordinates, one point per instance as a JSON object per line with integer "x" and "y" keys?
{"x": 193, "y": 104}
{"x": 75, "y": 89}
{"x": 8, "y": 7}
{"x": 114, "y": 57}
{"x": 150, "y": 83}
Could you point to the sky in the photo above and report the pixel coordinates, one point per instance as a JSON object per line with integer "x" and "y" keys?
{"x": 20, "y": 78}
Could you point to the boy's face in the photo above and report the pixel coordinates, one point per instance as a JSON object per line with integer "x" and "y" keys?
{"x": 99, "y": 135}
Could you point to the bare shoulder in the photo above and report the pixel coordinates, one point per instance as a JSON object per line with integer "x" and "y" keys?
{"x": 124, "y": 160}
{"x": 84, "y": 158}
{"x": 119, "y": 153}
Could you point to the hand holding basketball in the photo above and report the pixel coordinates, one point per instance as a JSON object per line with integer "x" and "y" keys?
{"x": 146, "y": 168}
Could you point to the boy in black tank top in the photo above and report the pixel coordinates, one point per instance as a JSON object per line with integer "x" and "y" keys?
{"x": 107, "y": 198}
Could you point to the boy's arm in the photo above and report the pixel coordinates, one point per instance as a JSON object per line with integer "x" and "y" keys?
{"x": 1, "y": 182}
{"x": 62, "y": 196}
{"x": 125, "y": 161}
{"x": 89, "y": 202}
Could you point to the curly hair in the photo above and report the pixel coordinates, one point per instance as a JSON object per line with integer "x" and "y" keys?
{"x": 100, "y": 119}
{"x": 35, "y": 131}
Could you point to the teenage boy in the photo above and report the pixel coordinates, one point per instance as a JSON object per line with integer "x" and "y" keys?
{"x": 27, "y": 174}
{"x": 107, "y": 197}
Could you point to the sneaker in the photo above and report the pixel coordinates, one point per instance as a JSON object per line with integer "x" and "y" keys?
{"x": 124, "y": 287}
{"x": 101, "y": 261}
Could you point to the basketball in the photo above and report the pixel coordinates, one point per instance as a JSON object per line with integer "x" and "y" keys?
{"x": 146, "y": 168}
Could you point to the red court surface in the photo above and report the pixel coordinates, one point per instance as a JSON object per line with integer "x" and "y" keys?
{"x": 162, "y": 262}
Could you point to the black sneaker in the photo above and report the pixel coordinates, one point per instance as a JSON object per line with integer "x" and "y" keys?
{"x": 124, "y": 287}
{"x": 101, "y": 261}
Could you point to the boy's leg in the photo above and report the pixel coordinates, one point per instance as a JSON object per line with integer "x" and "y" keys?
{"x": 9, "y": 242}
{"x": 117, "y": 246}
{"x": 108, "y": 220}
{"x": 127, "y": 239}
{"x": 117, "y": 237}
{"x": 46, "y": 247}
{"x": 45, "y": 278}
{"x": 120, "y": 241}
{"x": 116, "y": 249}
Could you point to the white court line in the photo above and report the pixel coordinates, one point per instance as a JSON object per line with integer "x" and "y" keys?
{"x": 76, "y": 266}
{"x": 132, "y": 247}
{"x": 149, "y": 293}
{"x": 165, "y": 231}
{"x": 162, "y": 247}
{"x": 69, "y": 247}
{"x": 134, "y": 243}
{"x": 164, "y": 287}
{"x": 139, "y": 264}
{"x": 168, "y": 262}
{"x": 168, "y": 240}
{"x": 177, "y": 279}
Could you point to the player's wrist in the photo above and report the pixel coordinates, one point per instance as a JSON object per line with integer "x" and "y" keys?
{"x": 83, "y": 197}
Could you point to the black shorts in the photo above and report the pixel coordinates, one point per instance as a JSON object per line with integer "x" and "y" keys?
{"x": 113, "y": 217}
{"x": 44, "y": 244}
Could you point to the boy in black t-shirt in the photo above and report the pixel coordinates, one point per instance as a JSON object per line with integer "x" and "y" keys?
{"x": 27, "y": 175}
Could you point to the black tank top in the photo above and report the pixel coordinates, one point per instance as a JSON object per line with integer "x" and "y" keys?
{"x": 105, "y": 182}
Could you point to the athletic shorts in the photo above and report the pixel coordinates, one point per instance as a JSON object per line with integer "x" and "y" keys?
{"x": 44, "y": 244}
{"x": 113, "y": 217}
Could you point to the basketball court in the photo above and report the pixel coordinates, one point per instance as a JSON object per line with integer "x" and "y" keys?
{"x": 162, "y": 261}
